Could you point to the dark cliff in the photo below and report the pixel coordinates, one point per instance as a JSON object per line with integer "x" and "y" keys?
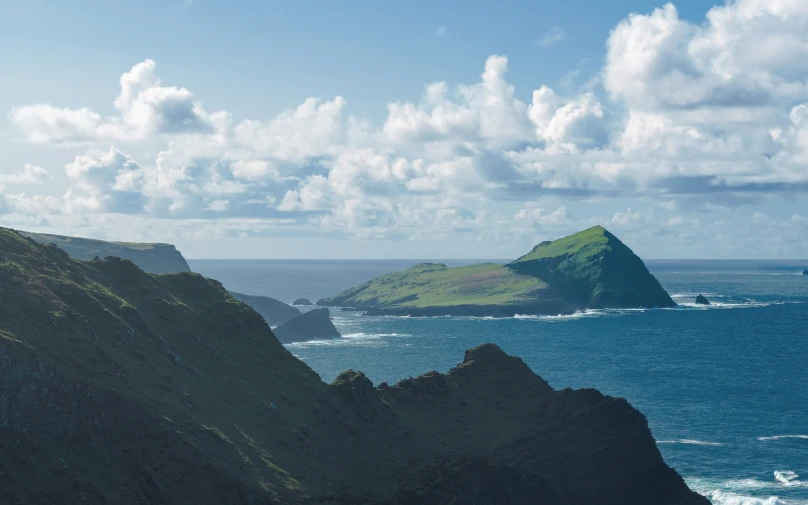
{"x": 154, "y": 258}
{"x": 311, "y": 325}
{"x": 119, "y": 386}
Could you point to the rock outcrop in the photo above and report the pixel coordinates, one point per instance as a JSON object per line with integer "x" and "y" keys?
{"x": 154, "y": 258}
{"x": 805, "y": 272}
{"x": 275, "y": 312}
{"x": 119, "y": 386}
{"x": 302, "y": 301}
{"x": 590, "y": 269}
{"x": 312, "y": 325}
{"x": 702, "y": 300}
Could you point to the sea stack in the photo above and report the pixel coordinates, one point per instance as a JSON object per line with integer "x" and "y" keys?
{"x": 805, "y": 272}
{"x": 312, "y": 325}
{"x": 702, "y": 300}
{"x": 302, "y": 301}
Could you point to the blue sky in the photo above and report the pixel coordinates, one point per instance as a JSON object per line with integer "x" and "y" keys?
{"x": 679, "y": 130}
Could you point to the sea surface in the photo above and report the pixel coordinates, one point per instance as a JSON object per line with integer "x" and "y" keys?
{"x": 724, "y": 388}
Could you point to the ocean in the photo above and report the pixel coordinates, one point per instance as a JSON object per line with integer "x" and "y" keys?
{"x": 724, "y": 387}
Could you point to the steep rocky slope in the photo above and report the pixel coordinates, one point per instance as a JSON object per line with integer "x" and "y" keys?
{"x": 118, "y": 386}
{"x": 590, "y": 269}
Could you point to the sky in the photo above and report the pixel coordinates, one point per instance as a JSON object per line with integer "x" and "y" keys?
{"x": 372, "y": 129}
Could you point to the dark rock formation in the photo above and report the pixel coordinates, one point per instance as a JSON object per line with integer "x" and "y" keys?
{"x": 311, "y": 325}
{"x": 275, "y": 312}
{"x": 302, "y": 301}
{"x": 118, "y": 386}
{"x": 805, "y": 272}
{"x": 702, "y": 300}
{"x": 154, "y": 258}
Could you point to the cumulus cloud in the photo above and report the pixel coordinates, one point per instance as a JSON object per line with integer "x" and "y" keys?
{"x": 30, "y": 174}
{"x": 145, "y": 107}
{"x": 688, "y": 115}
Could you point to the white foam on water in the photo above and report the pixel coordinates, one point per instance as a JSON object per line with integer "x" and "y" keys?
{"x": 782, "y": 437}
{"x": 739, "y": 491}
{"x": 688, "y": 441}
{"x": 789, "y": 478}
{"x": 360, "y": 338}
{"x": 727, "y": 498}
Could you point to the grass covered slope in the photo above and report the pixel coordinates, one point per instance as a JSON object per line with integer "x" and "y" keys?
{"x": 595, "y": 269}
{"x": 118, "y": 386}
{"x": 432, "y": 286}
{"x": 590, "y": 269}
{"x": 154, "y": 258}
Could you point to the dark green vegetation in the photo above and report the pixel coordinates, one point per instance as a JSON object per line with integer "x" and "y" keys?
{"x": 160, "y": 259}
{"x": 155, "y": 258}
{"x": 311, "y": 325}
{"x": 122, "y": 387}
{"x": 590, "y": 269}
{"x": 274, "y": 311}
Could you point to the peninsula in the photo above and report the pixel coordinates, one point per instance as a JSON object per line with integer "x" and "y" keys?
{"x": 591, "y": 269}
{"x": 121, "y": 386}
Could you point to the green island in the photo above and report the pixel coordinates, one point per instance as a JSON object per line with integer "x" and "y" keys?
{"x": 591, "y": 269}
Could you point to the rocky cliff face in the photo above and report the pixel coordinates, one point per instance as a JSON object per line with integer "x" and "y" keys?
{"x": 118, "y": 386}
{"x": 154, "y": 258}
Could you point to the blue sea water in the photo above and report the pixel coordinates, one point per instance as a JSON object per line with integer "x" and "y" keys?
{"x": 724, "y": 388}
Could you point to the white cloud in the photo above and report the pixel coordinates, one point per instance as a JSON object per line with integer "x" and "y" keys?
{"x": 552, "y": 37}
{"x": 694, "y": 116}
{"x": 30, "y": 174}
{"x": 440, "y": 31}
{"x": 146, "y": 109}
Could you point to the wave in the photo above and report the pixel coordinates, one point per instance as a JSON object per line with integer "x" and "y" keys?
{"x": 782, "y": 437}
{"x": 789, "y": 478}
{"x": 727, "y": 498}
{"x": 688, "y": 441}
{"x": 739, "y": 491}
{"x": 359, "y": 338}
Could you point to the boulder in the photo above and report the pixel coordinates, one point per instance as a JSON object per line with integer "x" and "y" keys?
{"x": 702, "y": 300}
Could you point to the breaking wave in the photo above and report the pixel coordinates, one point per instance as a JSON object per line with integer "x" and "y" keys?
{"x": 688, "y": 441}
{"x": 782, "y": 437}
{"x": 739, "y": 491}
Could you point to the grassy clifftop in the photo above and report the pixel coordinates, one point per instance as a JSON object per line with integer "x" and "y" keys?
{"x": 155, "y": 258}
{"x": 590, "y": 269}
{"x": 436, "y": 285}
{"x": 594, "y": 268}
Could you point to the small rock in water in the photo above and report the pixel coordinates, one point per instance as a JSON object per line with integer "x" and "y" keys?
{"x": 302, "y": 301}
{"x": 702, "y": 300}
{"x": 805, "y": 272}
